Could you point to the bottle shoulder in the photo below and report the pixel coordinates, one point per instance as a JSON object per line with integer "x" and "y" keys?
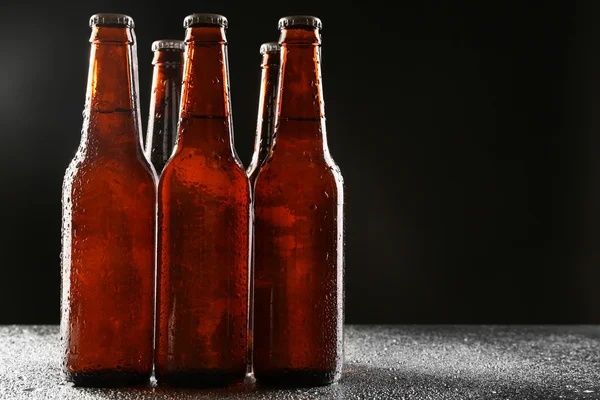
{"x": 125, "y": 168}
{"x": 195, "y": 167}
{"x": 299, "y": 173}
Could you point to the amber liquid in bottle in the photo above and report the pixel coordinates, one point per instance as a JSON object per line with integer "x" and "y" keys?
{"x": 164, "y": 102}
{"x": 298, "y": 240}
{"x": 203, "y": 219}
{"x": 108, "y": 226}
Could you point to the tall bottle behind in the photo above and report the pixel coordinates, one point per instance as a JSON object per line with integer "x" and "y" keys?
{"x": 264, "y": 135}
{"x": 203, "y": 220}
{"x": 108, "y": 225}
{"x": 164, "y": 101}
{"x": 298, "y": 318}
{"x": 265, "y": 123}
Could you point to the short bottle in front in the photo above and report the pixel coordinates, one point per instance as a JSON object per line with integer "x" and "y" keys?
{"x": 298, "y": 240}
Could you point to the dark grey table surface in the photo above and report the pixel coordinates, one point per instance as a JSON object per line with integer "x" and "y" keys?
{"x": 382, "y": 362}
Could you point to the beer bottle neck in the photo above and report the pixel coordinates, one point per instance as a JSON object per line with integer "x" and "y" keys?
{"x": 266, "y": 108}
{"x": 168, "y": 60}
{"x": 300, "y": 101}
{"x": 166, "y": 83}
{"x": 205, "y": 104}
{"x": 164, "y": 104}
{"x": 112, "y": 103}
{"x": 111, "y": 84}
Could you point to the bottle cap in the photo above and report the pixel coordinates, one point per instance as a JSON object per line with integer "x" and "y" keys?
{"x": 300, "y": 21}
{"x": 205, "y": 19}
{"x": 168, "y": 44}
{"x": 111, "y": 19}
{"x": 270, "y": 47}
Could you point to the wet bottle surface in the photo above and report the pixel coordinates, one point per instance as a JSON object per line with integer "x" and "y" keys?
{"x": 108, "y": 226}
{"x": 298, "y": 240}
{"x": 164, "y": 102}
{"x": 264, "y": 135}
{"x": 203, "y": 219}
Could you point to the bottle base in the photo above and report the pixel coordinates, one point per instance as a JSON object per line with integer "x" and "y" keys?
{"x": 201, "y": 379}
{"x": 108, "y": 378}
{"x": 296, "y": 378}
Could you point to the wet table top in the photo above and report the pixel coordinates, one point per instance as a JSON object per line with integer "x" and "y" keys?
{"x": 382, "y": 362}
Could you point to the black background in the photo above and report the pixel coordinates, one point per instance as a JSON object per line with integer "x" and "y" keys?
{"x": 467, "y": 134}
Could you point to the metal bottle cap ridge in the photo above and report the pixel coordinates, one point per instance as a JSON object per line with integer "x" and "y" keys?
{"x": 300, "y": 20}
{"x": 205, "y": 19}
{"x": 111, "y": 19}
{"x": 270, "y": 47}
{"x": 168, "y": 44}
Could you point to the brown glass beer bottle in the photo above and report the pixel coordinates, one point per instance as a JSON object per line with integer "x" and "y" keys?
{"x": 266, "y": 107}
{"x": 203, "y": 220}
{"x": 108, "y": 225}
{"x": 262, "y": 143}
{"x": 164, "y": 101}
{"x": 298, "y": 338}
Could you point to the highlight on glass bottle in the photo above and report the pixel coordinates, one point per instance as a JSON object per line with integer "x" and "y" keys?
{"x": 298, "y": 240}
{"x": 203, "y": 223}
{"x": 164, "y": 101}
{"x": 108, "y": 229}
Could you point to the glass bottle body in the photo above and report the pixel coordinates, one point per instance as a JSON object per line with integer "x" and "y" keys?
{"x": 264, "y": 135}
{"x": 203, "y": 220}
{"x": 108, "y": 227}
{"x": 298, "y": 240}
